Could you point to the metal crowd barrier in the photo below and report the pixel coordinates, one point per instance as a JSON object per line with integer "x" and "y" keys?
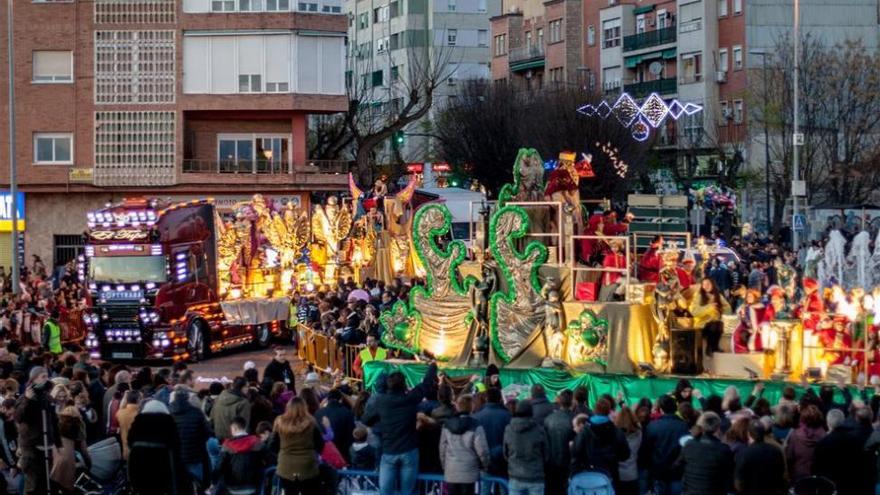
{"x": 354, "y": 482}
{"x": 324, "y": 354}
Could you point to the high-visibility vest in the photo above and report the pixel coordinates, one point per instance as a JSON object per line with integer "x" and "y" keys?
{"x": 366, "y": 357}
{"x": 54, "y": 336}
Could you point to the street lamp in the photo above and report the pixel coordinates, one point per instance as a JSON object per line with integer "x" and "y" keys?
{"x": 797, "y": 139}
{"x": 13, "y": 186}
{"x": 763, "y": 54}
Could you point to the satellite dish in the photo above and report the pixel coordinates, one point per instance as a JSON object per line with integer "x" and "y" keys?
{"x": 655, "y": 68}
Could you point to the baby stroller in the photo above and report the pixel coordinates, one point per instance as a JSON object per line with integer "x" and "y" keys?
{"x": 106, "y": 475}
{"x": 813, "y": 485}
{"x": 590, "y": 483}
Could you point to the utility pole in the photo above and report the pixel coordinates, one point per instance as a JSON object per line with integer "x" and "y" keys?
{"x": 13, "y": 186}
{"x": 796, "y": 137}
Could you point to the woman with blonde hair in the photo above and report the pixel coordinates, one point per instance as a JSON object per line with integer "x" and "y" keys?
{"x": 299, "y": 443}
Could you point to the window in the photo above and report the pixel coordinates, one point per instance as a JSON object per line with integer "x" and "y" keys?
{"x": 277, "y": 5}
{"x": 115, "y": 12}
{"x": 500, "y": 45}
{"x": 723, "y": 113}
{"x": 363, "y": 20}
{"x": 611, "y": 33}
{"x": 662, "y": 19}
{"x": 250, "y": 5}
{"x": 528, "y": 40}
{"x": 591, "y": 35}
{"x": 223, "y": 6}
{"x": 307, "y": 7}
{"x": 483, "y": 37}
{"x": 395, "y": 73}
{"x": 51, "y": 1}
{"x": 451, "y": 36}
{"x": 737, "y": 57}
{"x": 382, "y": 45}
{"x": 722, "y": 8}
{"x": 450, "y": 5}
{"x": 393, "y": 9}
{"x": 556, "y": 75}
{"x": 556, "y": 31}
{"x": 250, "y": 83}
{"x": 611, "y": 78}
{"x": 539, "y": 37}
{"x": 691, "y": 17}
{"x": 252, "y": 153}
{"x": 481, "y": 5}
{"x": 723, "y": 62}
{"x": 737, "y": 6}
{"x": 376, "y": 78}
{"x": 277, "y": 87}
{"x": 394, "y": 41}
{"x": 640, "y": 23}
{"x": 737, "y": 111}
{"x": 691, "y": 67}
{"x": 53, "y": 67}
{"x": 380, "y": 14}
{"x": 53, "y": 149}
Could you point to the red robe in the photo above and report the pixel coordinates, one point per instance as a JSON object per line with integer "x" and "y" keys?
{"x": 684, "y": 278}
{"x": 649, "y": 266}
{"x": 813, "y": 305}
{"x": 750, "y": 319}
{"x": 828, "y": 340}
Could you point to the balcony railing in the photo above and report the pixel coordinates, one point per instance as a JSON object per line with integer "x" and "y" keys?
{"x": 659, "y": 86}
{"x": 263, "y": 167}
{"x": 525, "y": 53}
{"x": 649, "y": 39}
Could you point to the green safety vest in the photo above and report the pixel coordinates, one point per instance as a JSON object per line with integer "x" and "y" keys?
{"x": 366, "y": 357}
{"x": 54, "y": 336}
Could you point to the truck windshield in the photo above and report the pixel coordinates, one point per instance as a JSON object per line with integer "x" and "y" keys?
{"x": 127, "y": 269}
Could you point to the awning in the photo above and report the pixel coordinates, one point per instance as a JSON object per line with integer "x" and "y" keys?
{"x": 632, "y": 62}
{"x": 643, "y": 9}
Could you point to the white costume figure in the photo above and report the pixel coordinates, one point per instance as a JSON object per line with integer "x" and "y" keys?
{"x": 812, "y": 259}
{"x": 875, "y": 262}
{"x": 835, "y": 257}
{"x": 857, "y": 260}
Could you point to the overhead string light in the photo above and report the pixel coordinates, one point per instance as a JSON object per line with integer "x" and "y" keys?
{"x": 640, "y": 120}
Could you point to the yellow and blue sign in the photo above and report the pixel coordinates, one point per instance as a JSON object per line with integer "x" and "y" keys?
{"x": 6, "y": 211}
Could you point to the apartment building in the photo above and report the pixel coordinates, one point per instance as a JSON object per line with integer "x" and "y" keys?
{"x": 177, "y": 99}
{"x": 692, "y": 50}
{"x": 392, "y": 40}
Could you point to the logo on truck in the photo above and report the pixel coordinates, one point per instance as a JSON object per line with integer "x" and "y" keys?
{"x": 120, "y": 235}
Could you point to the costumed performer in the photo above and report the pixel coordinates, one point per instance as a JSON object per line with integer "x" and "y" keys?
{"x": 747, "y": 335}
{"x": 651, "y": 262}
{"x": 834, "y": 335}
{"x": 706, "y": 307}
{"x": 613, "y": 259}
{"x": 685, "y": 272}
{"x": 593, "y": 250}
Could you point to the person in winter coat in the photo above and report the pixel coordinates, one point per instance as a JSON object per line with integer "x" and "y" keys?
{"x": 154, "y": 462}
{"x": 494, "y": 418}
{"x": 72, "y": 431}
{"x": 464, "y": 451}
{"x": 627, "y": 422}
{"x": 129, "y": 407}
{"x": 541, "y": 407}
{"x": 298, "y": 441}
{"x": 707, "y": 461}
{"x": 662, "y": 446}
{"x": 525, "y": 448}
{"x": 29, "y": 420}
{"x": 341, "y": 421}
{"x": 194, "y": 431}
{"x": 760, "y": 468}
{"x": 560, "y": 433}
{"x": 395, "y": 412}
{"x": 243, "y": 458}
{"x": 836, "y": 456}
{"x": 230, "y": 404}
{"x": 278, "y": 370}
{"x": 801, "y": 443}
{"x": 600, "y": 446}
{"x": 362, "y": 455}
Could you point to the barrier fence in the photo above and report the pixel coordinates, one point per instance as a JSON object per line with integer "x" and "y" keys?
{"x": 325, "y": 354}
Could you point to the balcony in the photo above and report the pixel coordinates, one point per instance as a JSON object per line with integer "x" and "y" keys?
{"x": 526, "y": 57}
{"x": 666, "y": 86}
{"x": 264, "y": 167}
{"x": 649, "y": 39}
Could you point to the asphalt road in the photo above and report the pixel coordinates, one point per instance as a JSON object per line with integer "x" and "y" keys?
{"x": 226, "y": 366}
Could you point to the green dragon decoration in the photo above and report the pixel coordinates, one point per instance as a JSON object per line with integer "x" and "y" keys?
{"x": 528, "y": 178}
{"x": 587, "y": 339}
{"x": 442, "y": 310}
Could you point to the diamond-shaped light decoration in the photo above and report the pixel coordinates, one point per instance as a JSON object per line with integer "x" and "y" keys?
{"x": 625, "y": 109}
{"x": 692, "y": 108}
{"x": 588, "y": 110}
{"x": 675, "y": 109}
{"x": 654, "y": 110}
{"x": 603, "y": 110}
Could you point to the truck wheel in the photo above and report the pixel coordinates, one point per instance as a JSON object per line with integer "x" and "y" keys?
{"x": 263, "y": 336}
{"x": 198, "y": 342}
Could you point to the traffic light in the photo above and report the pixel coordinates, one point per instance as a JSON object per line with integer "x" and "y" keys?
{"x": 397, "y": 140}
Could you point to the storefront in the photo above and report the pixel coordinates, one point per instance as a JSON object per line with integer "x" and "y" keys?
{"x": 6, "y": 227}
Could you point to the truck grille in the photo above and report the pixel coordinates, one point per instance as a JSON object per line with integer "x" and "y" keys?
{"x": 121, "y": 316}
